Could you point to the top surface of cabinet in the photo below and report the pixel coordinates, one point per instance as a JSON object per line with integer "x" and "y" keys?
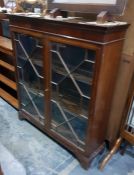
{"x": 94, "y": 33}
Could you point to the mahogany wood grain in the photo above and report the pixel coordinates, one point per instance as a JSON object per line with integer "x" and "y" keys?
{"x": 95, "y": 34}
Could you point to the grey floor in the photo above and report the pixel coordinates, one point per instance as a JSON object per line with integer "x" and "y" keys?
{"x": 24, "y": 150}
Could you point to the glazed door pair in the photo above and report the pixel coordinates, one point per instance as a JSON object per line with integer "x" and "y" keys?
{"x": 70, "y": 73}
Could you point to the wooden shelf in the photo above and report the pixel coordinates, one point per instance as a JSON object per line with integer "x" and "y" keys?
{"x": 6, "y": 45}
{"x": 9, "y": 98}
{"x": 7, "y": 66}
{"x": 8, "y": 82}
{"x": 8, "y": 89}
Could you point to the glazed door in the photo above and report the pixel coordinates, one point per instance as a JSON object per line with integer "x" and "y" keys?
{"x": 72, "y": 75}
{"x": 29, "y": 54}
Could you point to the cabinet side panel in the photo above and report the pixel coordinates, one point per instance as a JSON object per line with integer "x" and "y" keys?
{"x": 105, "y": 88}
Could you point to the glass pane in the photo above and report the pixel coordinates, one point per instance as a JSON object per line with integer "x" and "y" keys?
{"x": 72, "y": 76}
{"x": 25, "y": 94}
{"x": 30, "y": 70}
{"x": 57, "y": 114}
{"x": 32, "y": 102}
{"x": 71, "y": 126}
{"x": 28, "y": 43}
{"x": 90, "y": 55}
{"x": 57, "y": 65}
{"x": 35, "y": 58}
{"x": 84, "y": 72}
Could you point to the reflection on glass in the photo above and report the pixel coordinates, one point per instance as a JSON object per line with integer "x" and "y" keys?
{"x": 31, "y": 102}
{"x": 29, "y": 76}
{"x": 72, "y": 76}
{"x": 71, "y": 126}
{"x": 30, "y": 70}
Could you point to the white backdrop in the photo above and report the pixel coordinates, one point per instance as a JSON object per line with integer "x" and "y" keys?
{"x": 87, "y": 1}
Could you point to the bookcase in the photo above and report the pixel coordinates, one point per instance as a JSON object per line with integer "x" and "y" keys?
{"x": 8, "y": 87}
{"x": 66, "y": 74}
